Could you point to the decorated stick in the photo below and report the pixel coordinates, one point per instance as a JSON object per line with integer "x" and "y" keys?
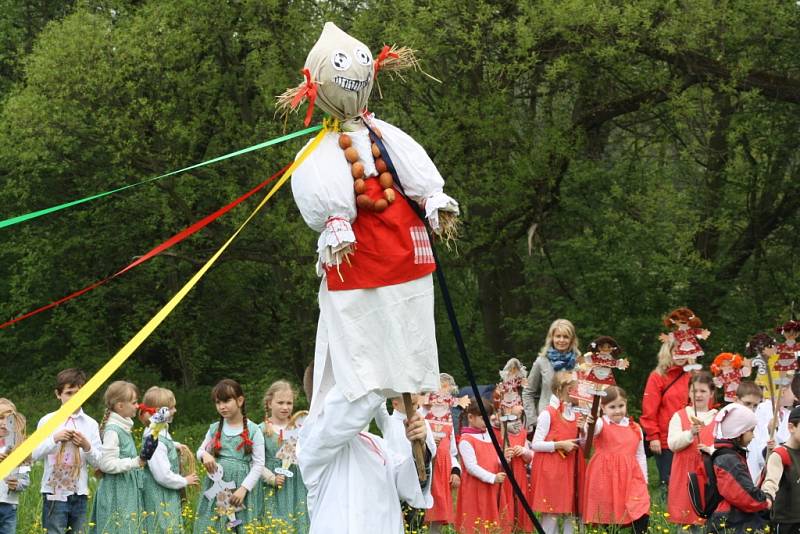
{"x": 418, "y": 446}
{"x": 763, "y": 367}
{"x": 595, "y": 411}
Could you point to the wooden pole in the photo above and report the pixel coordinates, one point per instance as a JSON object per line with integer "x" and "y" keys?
{"x": 595, "y": 411}
{"x": 417, "y": 446}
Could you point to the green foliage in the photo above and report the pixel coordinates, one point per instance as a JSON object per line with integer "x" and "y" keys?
{"x": 613, "y": 160}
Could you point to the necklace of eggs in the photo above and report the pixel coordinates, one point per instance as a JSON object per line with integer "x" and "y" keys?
{"x": 384, "y": 177}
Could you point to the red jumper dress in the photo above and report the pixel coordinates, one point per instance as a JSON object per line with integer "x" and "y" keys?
{"x": 512, "y": 513}
{"x": 684, "y": 462}
{"x": 477, "y": 510}
{"x": 442, "y": 509}
{"x": 556, "y": 479}
{"x": 615, "y": 492}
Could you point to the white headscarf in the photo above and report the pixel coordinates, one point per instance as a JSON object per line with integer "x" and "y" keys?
{"x": 734, "y": 420}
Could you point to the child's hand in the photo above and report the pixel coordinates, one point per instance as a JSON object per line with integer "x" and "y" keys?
{"x": 81, "y": 441}
{"x": 415, "y": 428}
{"x": 12, "y": 484}
{"x": 696, "y": 428}
{"x": 62, "y": 435}
{"x": 237, "y": 498}
{"x": 210, "y": 463}
{"x": 499, "y": 478}
{"x": 770, "y": 444}
{"x": 192, "y": 480}
{"x": 568, "y": 445}
{"x": 455, "y": 481}
{"x": 3, "y": 456}
{"x": 279, "y": 480}
{"x": 655, "y": 446}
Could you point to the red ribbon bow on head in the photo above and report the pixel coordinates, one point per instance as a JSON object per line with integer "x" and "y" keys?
{"x": 383, "y": 56}
{"x": 309, "y": 91}
{"x": 150, "y": 410}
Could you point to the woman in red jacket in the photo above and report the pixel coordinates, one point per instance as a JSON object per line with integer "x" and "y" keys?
{"x": 666, "y": 392}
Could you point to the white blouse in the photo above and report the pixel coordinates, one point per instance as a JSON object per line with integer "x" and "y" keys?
{"x": 470, "y": 460}
{"x": 110, "y": 462}
{"x": 160, "y": 467}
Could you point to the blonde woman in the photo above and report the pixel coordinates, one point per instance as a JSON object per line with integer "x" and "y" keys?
{"x": 560, "y": 352}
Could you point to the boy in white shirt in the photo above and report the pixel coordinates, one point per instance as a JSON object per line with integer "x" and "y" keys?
{"x": 65, "y": 481}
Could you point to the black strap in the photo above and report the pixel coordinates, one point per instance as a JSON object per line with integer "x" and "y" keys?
{"x": 462, "y": 349}
{"x": 664, "y": 391}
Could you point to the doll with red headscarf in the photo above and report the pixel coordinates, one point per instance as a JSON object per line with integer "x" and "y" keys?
{"x": 728, "y": 370}
{"x": 686, "y": 333}
{"x": 788, "y": 351}
{"x": 599, "y": 363}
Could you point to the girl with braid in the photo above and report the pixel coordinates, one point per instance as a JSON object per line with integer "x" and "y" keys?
{"x": 236, "y": 445}
{"x": 284, "y": 494}
{"x": 118, "y": 500}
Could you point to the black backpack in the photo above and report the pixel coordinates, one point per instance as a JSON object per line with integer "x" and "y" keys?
{"x": 703, "y": 492}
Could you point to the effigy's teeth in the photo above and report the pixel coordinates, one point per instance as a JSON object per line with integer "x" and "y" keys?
{"x": 349, "y": 84}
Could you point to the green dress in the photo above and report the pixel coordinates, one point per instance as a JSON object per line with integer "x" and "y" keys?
{"x": 118, "y": 499}
{"x": 163, "y": 505}
{"x": 235, "y": 465}
{"x": 284, "y": 508}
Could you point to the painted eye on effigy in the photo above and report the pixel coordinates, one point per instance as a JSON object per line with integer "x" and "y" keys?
{"x": 340, "y": 60}
{"x": 362, "y": 55}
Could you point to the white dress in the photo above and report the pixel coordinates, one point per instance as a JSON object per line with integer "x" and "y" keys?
{"x": 355, "y": 479}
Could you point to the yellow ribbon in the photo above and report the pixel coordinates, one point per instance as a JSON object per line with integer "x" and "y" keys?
{"x": 72, "y": 405}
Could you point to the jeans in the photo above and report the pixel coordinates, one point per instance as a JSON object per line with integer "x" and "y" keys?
{"x": 8, "y": 518}
{"x": 57, "y": 516}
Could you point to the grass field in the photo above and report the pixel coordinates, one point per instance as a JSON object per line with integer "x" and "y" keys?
{"x": 30, "y": 507}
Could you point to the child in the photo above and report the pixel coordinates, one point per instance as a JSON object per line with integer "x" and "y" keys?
{"x": 742, "y": 502}
{"x": 615, "y": 492}
{"x": 560, "y": 352}
{"x": 689, "y": 429}
{"x": 235, "y": 444}
{"x": 764, "y": 437}
{"x": 665, "y": 393}
{"x": 513, "y": 438}
{"x": 477, "y": 509}
{"x": 782, "y": 482}
{"x": 162, "y": 480}
{"x": 749, "y": 395}
{"x": 558, "y": 465}
{"x": 285, "y": 497}
{"x": 393, "y": 431}
{"x": 118, "y": 501}
{"x": 446, "y": 475}
{"x": 12, "y": 433}
{"x": 65, "y": 487}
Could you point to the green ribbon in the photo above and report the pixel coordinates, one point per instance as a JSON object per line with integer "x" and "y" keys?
{"x": 28, "y": 216}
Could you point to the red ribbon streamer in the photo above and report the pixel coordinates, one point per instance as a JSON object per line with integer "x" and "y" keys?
{"x": 174, "y": 240}
{"x": 384, "y": 54}
{"x": 309, "y": 90}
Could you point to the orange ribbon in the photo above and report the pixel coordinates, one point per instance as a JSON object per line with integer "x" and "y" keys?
{"x": 309, "y": 91}
{"x": 383, "y": 56}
